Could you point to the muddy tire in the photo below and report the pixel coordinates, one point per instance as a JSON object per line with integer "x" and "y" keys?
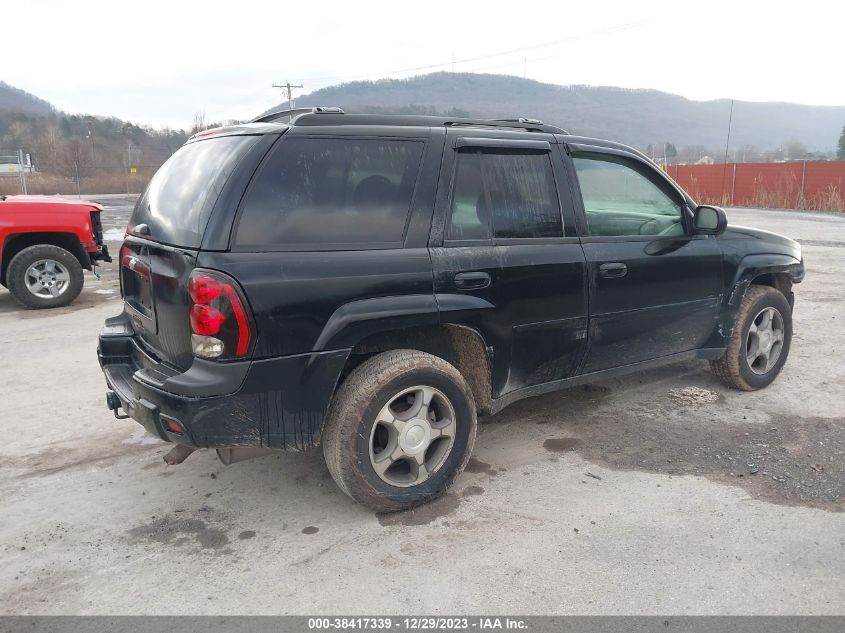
{"x": 44, "y": 276}
{"x": 760, "y": 342}
{"x": 400, "y": 428}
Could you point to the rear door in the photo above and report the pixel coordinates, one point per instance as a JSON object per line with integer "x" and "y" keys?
{"x": 655, "y": 286}
{"x": 506, "y": 259}
{"x": 165, "y": 233}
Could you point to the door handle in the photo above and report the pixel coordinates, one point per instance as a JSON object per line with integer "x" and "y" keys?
{"x": 613, "y": 270}
{"x": 470, "y": 281}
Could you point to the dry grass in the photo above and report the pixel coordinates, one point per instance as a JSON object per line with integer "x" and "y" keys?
{"x": 787, "y": 196}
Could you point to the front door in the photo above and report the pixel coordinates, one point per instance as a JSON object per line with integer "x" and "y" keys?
{"x": 655, "y": 286}
{"x": 507, "y": 261}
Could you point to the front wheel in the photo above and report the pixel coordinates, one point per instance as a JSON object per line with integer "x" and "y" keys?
{"x": 760, "y": 342}
{"x": 44, "y": 276}
{"x": 400, "y": 429}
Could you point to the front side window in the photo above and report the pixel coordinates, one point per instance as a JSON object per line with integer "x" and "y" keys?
{"x": 331, "y": 192}
{"x": 620, "y": 200}
{"x": 511, "y": 194}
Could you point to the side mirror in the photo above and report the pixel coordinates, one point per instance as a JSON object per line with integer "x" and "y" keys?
{"x": 710, "y": 220}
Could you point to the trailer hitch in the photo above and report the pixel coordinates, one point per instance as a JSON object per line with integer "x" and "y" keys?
{"x": 114, "y": 405}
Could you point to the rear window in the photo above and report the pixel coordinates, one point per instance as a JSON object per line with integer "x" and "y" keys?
{"x": 331, "y": 193}
{"x": 178, "y": 201}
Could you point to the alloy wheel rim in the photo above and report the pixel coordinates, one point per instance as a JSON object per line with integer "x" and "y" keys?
{"x": 47, "y": 279}
{"x": 413, "y": 436}
{"x": 764, "y": 343}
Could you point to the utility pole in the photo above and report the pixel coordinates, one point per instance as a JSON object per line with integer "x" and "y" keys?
{"x": 727, "y": 146}
{"x": 288, "y": 89}
{"x": 127, "y": 163}
{"x": 93, "y": 149}
{"x": 22, "y": 171}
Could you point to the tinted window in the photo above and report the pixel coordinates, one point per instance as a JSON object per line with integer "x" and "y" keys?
{"x": 470, "y": 215}
{"x": 515, "y": 192}
{"x": 178, "y": 201}
{"x": 331, "y": 192}
{"x": 620, "y": 200}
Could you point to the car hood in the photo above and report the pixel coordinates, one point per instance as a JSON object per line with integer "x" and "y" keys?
{"x": 24, "y": 204}
{"x": 760, "y": 241}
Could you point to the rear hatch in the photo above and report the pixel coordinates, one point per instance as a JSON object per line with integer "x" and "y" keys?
{"x": 164, "y": 235}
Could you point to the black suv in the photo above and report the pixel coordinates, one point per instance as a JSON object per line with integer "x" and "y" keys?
{"x": 376, "y": 282}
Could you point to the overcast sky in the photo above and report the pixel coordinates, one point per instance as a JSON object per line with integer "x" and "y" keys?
{"x": 159, "y": 61}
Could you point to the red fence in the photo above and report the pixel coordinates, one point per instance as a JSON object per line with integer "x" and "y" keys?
{"x": 795, "y": 185}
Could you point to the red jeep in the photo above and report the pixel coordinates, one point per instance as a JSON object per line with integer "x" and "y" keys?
{"x": 44, "y": 245}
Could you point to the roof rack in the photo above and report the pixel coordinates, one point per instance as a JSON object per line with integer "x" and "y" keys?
{"x": 303, "y": 118}
{"x": 278, "y": 114}
{"x": 529, "y": 125}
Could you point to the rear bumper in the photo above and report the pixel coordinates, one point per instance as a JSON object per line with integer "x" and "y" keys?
{"x": 274, "y": 403}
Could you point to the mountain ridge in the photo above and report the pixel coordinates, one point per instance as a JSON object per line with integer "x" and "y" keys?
{"x": 638, "y": 117}
{"x": 16, "y": 100}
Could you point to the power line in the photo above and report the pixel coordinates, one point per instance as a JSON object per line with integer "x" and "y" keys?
{"x": 566, "y": 40}
{"x": 288, "y": 88}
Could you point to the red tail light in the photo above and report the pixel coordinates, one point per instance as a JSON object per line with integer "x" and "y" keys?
{"x": 204, "y": 288}
{"x": 221, "y": 325}
{"x": 206, "y": 320}
{"x": 122, "y": 262}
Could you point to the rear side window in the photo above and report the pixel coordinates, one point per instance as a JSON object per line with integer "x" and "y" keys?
{"x": 179, "y": 199}
{"x": 331, "y": 193}
{"x": 511, "y": 194}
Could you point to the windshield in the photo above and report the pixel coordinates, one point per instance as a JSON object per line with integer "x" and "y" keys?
{"x": 178, "y": 201}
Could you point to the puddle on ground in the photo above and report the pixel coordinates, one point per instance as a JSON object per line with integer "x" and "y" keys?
{"x": 789, "y": 460}
{"x": 560, "y": 444}
{"x": 477, "y": 466}
{"x": 177, "y": 531}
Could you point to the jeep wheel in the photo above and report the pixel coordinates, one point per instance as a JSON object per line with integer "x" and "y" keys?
{"x": 760, "y": 343}
{"x": 44, "y": 276}
{"x": 400, "y": 429}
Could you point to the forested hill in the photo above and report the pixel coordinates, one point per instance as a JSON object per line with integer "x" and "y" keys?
{"x": 636, "y": 117}
{"x": 16, "y": 100}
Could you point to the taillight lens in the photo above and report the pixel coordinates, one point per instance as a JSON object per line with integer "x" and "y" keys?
{"x": 122, "y": 258}
{"x": 204, "y": 288}
{"x": 206, "y": 320}
{"x": 221, "y": 324}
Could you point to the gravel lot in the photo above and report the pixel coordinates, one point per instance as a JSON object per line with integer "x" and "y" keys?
{"x": 662, "y": 492}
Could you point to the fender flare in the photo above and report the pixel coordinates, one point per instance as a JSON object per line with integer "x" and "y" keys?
{"x": 752, "y": 266}
{"x": 749, "y": 268}
{"x": 356, "y": 320}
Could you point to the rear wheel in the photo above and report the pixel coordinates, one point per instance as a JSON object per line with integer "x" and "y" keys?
{"x": 760, "y": 343}
{"x": 44, "y": 276}
{"x": 400, "y": 429}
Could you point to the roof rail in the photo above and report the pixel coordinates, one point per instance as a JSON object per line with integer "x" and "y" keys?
{"x": 278, "y": 114}
{"x": 529, "y": 125}
{"x": 525, "y": 121}
{"x": 303, "y": 117}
